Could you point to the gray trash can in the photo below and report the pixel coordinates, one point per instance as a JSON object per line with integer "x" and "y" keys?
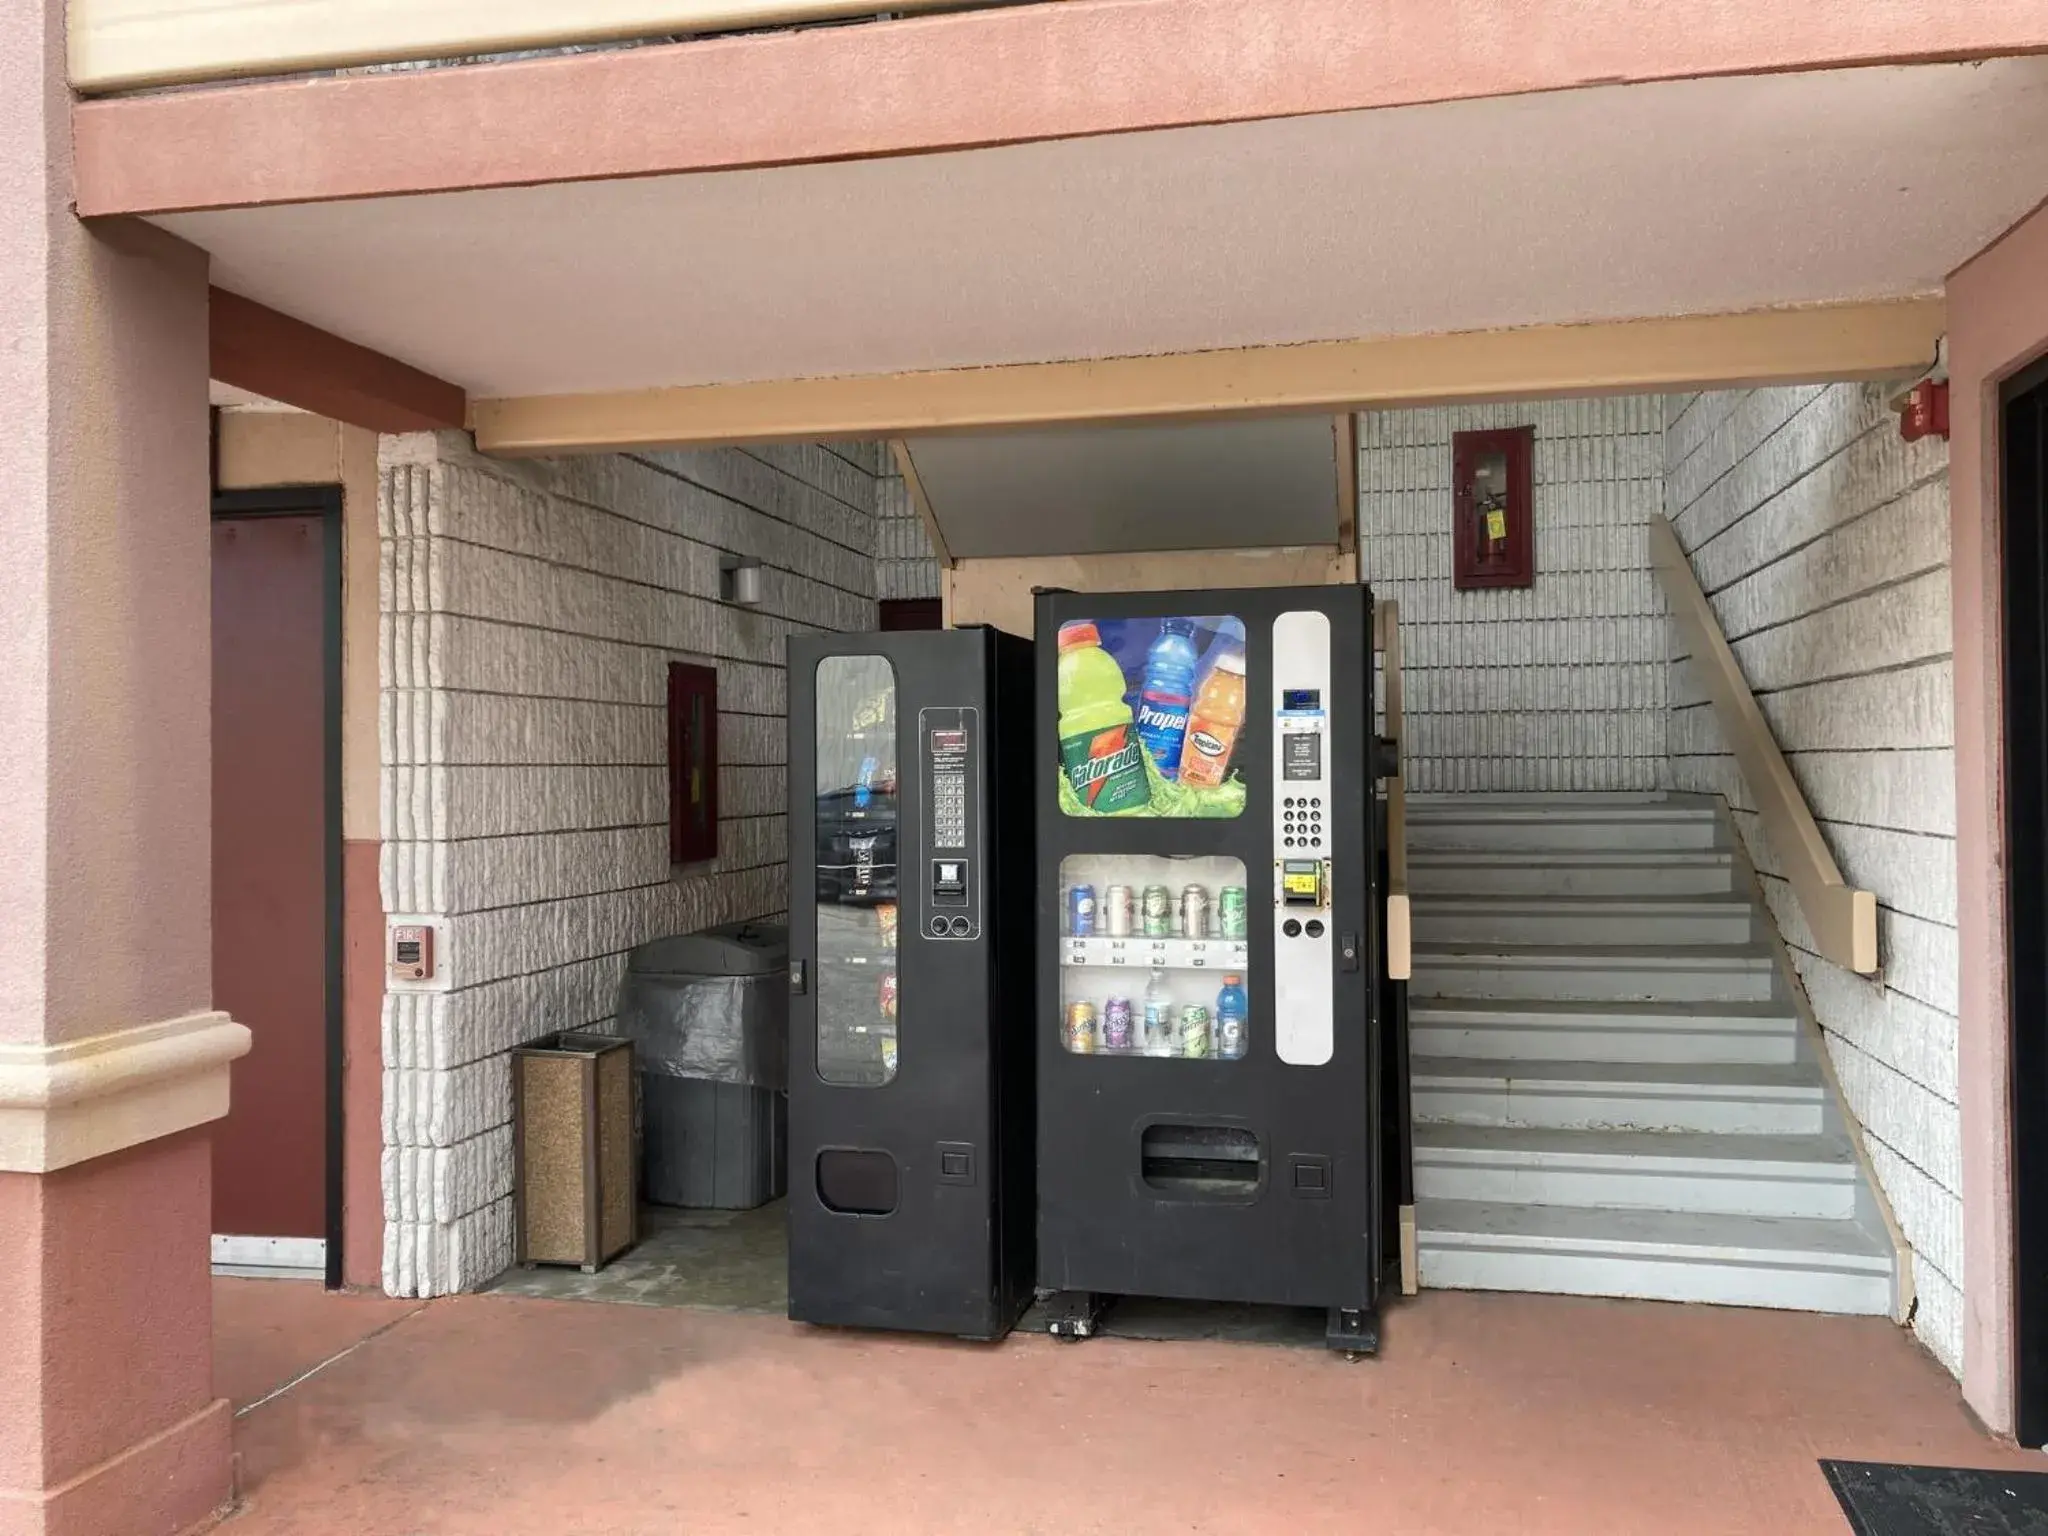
{"x": 709, "y": 1017}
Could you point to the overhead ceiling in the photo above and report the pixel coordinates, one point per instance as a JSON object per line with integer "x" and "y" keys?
{"x": 1691, "y": 197}
{"x": 1100, "y": 490}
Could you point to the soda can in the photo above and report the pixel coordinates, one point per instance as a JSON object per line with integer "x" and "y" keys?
{"x": 1158, "y": 912}
{"x": 1194, "y": 912}
{"x": 888, "y": 1056}
{"x": 885, "y": 923}
{"x": 1081, "y": 911}
{"x": 1194, "y": 1030}
{"x": 1116, "y": 1024}
{"x": 1231, "y": 915}
{"x": 887, "y": 998}
{"x": 1116, "y": 911}
{"x": 1080, "y": 1034}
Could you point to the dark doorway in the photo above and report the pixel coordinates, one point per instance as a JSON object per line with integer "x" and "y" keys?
{"x": 277, "y": 873}
{"x": 2023, "y": 518}
{"x": 911, "y": 613}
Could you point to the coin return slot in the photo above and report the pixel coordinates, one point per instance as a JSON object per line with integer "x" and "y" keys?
{"x": 1201, "y": 1160}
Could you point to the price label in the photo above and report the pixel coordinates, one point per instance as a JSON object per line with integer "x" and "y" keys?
{"x": 1119, "y": 959}
{"x": 1198, "y": 961}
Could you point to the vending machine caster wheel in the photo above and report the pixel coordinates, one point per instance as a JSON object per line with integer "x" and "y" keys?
{"x": 1071, "y": 1316}
{"x": 1353, "y": 1331}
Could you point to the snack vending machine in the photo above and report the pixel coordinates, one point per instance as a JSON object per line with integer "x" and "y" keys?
{"x": 1208, "y": 1089}
{"x": 910, "y": 916}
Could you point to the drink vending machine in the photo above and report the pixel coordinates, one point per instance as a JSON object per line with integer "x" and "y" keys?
{"x": 1208, "y": 1050}
{"x": 910, "y": 920}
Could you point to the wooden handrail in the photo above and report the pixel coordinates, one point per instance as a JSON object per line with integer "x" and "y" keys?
{"x": 1843, "y": 919}
{"x": 1400, "y": 959}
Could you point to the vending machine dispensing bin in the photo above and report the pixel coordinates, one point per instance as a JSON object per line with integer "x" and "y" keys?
{"x": 910, "y": 1111}
{"x": 1208, "y": 1055}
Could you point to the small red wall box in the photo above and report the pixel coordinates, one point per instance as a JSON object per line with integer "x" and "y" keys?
{"x": 1493, "y": 508}
{"x": 692, "y": 763}
{"x": 1923, "y": 410}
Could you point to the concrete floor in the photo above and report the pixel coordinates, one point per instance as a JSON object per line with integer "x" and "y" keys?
{"x": 733, "y": 1261}
{"x": 487, "y": 1414}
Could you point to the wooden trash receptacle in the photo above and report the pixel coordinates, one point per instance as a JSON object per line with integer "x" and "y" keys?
{"x": 572, "y": 1145}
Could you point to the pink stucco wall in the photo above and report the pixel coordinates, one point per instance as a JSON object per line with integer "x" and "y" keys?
{"x": 108, "y": 1419}
{"x": 1998, "y": 323}
{"x": 108, "y": 1422}
{"x": 104, "y": 581}
{"x": 991, "y": 76}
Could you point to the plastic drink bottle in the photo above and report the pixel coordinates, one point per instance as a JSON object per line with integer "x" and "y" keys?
{"x": 1098, "y": 748}
{"x": 1164, "y": 697}
{"x": 1231, "y": 1010}
{"x": 1214, "y": 722}
{"x": 1158, "y": 1017}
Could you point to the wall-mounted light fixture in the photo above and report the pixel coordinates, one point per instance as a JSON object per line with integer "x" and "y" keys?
{"x": 739, "y": 581}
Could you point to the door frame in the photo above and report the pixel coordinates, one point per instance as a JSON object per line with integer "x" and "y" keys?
{"x": 2023, "y": 551}
{"x": 324, "y": 502}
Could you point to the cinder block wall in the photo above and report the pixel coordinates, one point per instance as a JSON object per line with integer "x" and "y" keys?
{"x": 904, "y": 564}
{"x": 530, "y": 612}
{"x": 1821, "y": 539}
{"x": 1559, "y": 686}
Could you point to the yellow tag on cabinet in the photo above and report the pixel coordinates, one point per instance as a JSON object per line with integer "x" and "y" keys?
{"x": 1496, "y": 524}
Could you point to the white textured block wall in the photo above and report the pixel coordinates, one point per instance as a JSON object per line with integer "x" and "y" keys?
{"x": 1558, "y": 686}
{"x": 1821, "y": 539}
{"x": 904, "y": 564}
{"x": 530, "y": 612}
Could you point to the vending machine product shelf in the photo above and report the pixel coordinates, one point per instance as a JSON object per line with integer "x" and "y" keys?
{"x": 1207, "y": 1033}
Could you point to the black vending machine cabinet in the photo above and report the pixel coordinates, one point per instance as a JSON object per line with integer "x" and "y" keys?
{"x": 910, "y": 919}
{"x": 1208, "y": 1052}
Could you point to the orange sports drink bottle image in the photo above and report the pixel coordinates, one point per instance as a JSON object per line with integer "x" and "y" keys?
{"x": 1214, "y": 721}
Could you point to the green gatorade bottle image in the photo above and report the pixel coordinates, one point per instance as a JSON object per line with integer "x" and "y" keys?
{"x": 1099, "y": 749}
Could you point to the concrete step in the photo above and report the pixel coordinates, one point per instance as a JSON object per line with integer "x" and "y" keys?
{"x": 1686, "y": 1171}
{"x": 1669, "y": 923}
{"x": 1749, "y": 1261}
{"x": 1782, "y": 1099}
{"x": 1579, "y": 972}
{"x": 1473, "y": 872}
{"x": 1564, "y": 827}
{"x": 1536, "y": 1029}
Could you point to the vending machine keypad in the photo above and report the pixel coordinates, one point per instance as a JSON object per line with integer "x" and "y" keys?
{"x": 1303, "y": 977}
{"x": 949, "y": 741}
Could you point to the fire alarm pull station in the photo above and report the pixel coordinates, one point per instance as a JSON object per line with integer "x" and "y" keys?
{"x": 412, "y": 952}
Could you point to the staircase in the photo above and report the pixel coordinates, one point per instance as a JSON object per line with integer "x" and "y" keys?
{"x": 1613, "y": 1095}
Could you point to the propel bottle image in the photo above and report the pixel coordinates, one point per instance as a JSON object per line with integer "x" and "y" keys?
{"x": 1165, "y": 695}
{"x": 1099, "y": 748}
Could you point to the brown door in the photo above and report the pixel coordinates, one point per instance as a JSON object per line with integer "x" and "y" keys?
{"x": 270, "y": 838}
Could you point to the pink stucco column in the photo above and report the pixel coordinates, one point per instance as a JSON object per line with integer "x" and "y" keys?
{"x": 1998, "y": 324}
{"x": 110, "y": 1063}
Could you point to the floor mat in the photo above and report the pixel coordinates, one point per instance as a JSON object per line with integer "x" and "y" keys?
{"x": 1882, "y": 1499}
{"x": 734, "y": 1261}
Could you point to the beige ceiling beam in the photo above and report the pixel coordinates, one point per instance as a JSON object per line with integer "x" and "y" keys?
{"x": 121, "y": 44}
{"x": 1856, "y": 341}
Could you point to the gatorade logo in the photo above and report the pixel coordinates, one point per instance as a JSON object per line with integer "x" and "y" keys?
{"x": 1206, "y": 744}
{"x": 1095, "y": 769}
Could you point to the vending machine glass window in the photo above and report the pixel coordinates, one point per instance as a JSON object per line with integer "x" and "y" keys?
{"x": 1154, "y": 956}
{"x": 856, "y": 870}
{"x": 1150, "y": 711}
